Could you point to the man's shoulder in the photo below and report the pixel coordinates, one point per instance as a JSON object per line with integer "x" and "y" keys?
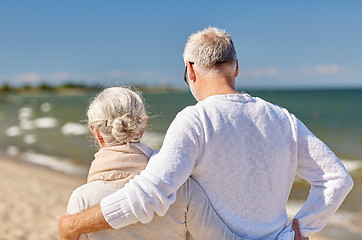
{"x": 189, "y": 113}
{"x": 273, "y": 106}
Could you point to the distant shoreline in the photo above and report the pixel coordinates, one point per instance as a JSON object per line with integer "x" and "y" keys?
{"x": 84, "y": 89}
{"x": 81, "y": 88}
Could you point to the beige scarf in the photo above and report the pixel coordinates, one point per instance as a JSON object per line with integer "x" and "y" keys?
{"x": 119, "y": 163}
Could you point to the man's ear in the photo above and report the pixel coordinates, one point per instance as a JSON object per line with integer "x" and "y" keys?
{"x": 237, "y": 68}
{"x": 191, "y": 71}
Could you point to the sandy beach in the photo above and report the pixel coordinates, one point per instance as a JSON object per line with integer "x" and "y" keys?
{"x": 32, "y": 197}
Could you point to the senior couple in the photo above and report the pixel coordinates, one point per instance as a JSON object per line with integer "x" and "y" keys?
{"x": 224, "y": 171}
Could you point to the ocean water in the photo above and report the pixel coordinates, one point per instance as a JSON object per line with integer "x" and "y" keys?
{"x": 53, "y": 124}
{"x": 49, "y": 129}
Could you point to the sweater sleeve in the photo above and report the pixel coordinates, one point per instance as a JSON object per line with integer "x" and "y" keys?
{"x": 330, "y": 182}
{"x": 154, "y": 190}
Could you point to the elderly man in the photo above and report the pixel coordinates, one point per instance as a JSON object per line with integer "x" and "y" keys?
{"x": 243, "y": 151}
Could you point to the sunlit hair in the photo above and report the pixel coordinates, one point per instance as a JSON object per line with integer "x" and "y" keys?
{"x": 119, "y": 114}
{"x": 209, "y": 47}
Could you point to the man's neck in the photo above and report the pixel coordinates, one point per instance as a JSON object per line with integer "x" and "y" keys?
{"x": 219, "y": 86}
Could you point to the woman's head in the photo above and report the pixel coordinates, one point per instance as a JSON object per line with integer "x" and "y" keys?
{"x": 118, "y": 114}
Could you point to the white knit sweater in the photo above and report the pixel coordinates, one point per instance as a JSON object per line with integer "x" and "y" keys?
{"x": 190, "y": 217}
{"x": 245, "y": 153}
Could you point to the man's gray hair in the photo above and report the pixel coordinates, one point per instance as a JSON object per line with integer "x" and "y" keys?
{"x": 209, "y": 47}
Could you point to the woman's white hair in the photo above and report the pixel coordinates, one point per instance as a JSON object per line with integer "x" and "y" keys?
{"x": 209, "y": 47}
{"x": 118, "y": 113}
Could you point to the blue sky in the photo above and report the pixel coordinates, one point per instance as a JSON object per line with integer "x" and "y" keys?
{"x": 279, "y": 43}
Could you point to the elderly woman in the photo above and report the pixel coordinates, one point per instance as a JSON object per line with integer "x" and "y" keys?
{"x": 117, "y": 118}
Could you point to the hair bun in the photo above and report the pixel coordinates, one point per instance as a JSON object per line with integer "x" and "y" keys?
{"x": 127, "y": 127}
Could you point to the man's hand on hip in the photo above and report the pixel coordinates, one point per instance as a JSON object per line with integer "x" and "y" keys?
{"x": 298, "y": 235}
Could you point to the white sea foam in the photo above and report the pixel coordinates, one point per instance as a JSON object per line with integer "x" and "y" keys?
{"x": 26, "y": 124}
{"x": 45, "y": 122}
{"x": 29, "y": 139}
{"x": 25, "y": 112}
{"x": 12, "y": 150}
{"x": 72, "y": 128}
{"x": 152, "y": 139}
{"x": 45, "y": 107}
{"x": 55, "y": 163}
{"x": 352, "y": 165}
{"x": 13, "y": 131}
